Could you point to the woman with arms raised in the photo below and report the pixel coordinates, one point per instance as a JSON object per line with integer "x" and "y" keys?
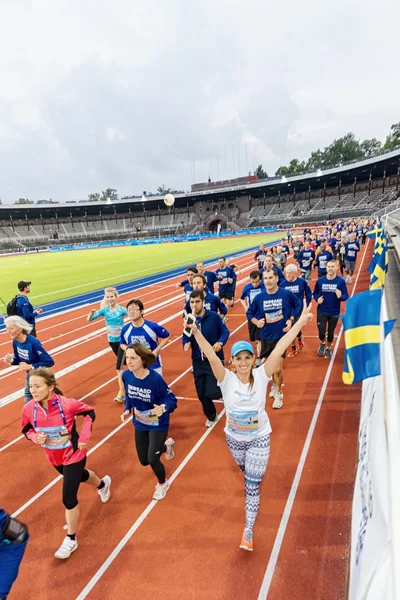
{"x": 244, "y": 391}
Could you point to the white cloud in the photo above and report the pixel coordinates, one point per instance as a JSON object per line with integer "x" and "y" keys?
{"x": 125, "y": 94}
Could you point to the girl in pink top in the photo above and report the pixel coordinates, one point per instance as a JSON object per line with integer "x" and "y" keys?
{"x": 49, "y": 421}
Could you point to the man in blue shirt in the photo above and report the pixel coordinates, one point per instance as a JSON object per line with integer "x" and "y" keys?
{"x": 305, "y": 260}
{"x": 250, "y": 291}
{"x": 211, "y": 301}
{"x": 211, "y": 276}
{"x": 260, "y": 256}
{"x": 152, "y": 335}
{"x": 323, "y": 257}
{"x": 300, "y": 288}
{"x": 25, "y": 308}
{"x": 217, "y": 334}
{"x": 273, "y": 311}
{"x": 352, "y": 248}
{"x": 187, "y": 283}
{"x": 329, "y": 292}
{"x": 226, "y": 277}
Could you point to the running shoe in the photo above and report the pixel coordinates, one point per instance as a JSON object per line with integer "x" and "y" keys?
{"x": 292, "y": 352}
{"x": 300, "y": 344}
{"x": 272, "y": 391}
{"x": 105, "y": 491}
{"x": 66, "y": 549}
{"x": 119, "y": 398}
{"x": 247, "y": 540}
{"x": 161, "y": 490}
{"x": 321, "y": 349}
{"x": 328, "y": 353}
{"x": 211, "y": 423}
{"x": 169, "y": 453}
{"x": 278, "y": 402}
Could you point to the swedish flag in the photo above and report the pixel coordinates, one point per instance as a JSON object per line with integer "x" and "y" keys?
{"x": 363, "y": 335}
{"x": 379, "y": 266}
{"x": 375, "y": 231}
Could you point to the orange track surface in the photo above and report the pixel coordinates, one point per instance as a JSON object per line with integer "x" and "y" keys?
{"x": 187, "y": 547}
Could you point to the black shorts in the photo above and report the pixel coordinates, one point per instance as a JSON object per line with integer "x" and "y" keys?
{"x": 227, "y": 295}
{"x": 119, "y": 353}
{"x": 73, "y": 475}
{"x": 254, "y": 331}
{"x": 267, "y": 346}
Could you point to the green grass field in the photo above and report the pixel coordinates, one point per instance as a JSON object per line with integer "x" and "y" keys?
{"x": 57, "y": 275}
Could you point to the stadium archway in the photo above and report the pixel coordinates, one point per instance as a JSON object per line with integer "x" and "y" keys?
{"x": 213, "y": 222}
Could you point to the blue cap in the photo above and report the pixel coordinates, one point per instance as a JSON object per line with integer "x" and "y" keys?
{"x": 240, "y": 347}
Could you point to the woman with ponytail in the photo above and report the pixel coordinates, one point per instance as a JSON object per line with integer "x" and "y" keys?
{"x": 244, "y": 392}
{"x": 49, "y": 420}
{"x": 113, "y": 314}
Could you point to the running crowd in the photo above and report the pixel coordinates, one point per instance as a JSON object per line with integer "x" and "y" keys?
{"x": 277, "y": 302}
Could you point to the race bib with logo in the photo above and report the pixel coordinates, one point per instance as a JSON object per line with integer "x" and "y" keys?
{"x": 146, "y": 418}
{"x": 243, "y": 422}
{"x": 57, "y": 437}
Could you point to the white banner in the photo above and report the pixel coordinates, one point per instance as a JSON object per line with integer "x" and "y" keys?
{"x": 371, "y": 568}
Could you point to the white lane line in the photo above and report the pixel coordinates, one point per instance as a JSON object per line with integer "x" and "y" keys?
{"x": 98, "y": 445}
{"x": 21, "y": 437}
{"x": 269, "y": 573}
{"x": 84, "y": 593}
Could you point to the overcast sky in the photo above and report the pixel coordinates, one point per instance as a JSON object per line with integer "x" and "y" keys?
{"x": 126, "y": 94}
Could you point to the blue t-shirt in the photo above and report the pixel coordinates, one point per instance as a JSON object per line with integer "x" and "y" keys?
{"x": 250, "y": 292}
{"x": 147, "y": 334}
{"x": 352, "y": 249}
{"x": 25, "y": 310}
{"x": 223, "y": 276}
{"x": 211, "y": 279}
{"x": 31, "y": 352}
{"x": 300, "y": 288}
{"x": 305, "y": 259}
{"x": 211, "y": 302}
{"x": 114, "y": 321}
{"x": 277, "y": 270}
{"x": 276, "y": 309}
{"x": 187, "y": 288}
{"x": 327, "y": 288}
{"x": 322, "y": 260}
{"x": 142, "y": 395}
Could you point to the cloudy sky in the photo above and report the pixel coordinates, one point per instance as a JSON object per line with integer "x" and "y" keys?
{"x": 133, "y": 95}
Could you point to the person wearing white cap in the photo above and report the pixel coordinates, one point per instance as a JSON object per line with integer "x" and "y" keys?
{"x": 244, "y": 391}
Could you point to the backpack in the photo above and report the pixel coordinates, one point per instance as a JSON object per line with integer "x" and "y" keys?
{"x": 12, "y": 306}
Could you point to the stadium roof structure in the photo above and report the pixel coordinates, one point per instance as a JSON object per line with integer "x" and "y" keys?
{"x": 378, "y": 167}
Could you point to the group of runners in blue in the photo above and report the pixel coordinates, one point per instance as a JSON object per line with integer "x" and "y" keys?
{"x": 277, "y": 302}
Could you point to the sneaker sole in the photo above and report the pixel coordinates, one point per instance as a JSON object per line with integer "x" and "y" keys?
{"x": 106, "y": 498}
{"x": 246, "y": 548}
{"x": 280, "y": 406}
{"x": 65, "y": 557}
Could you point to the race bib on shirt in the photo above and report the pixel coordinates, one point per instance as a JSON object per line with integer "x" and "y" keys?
{"x": 243, "y": 422}
{"x": 273, "y": 317}
{"x": 351, "y": 253}
{"x": 146, "y": 418}
{"x": 306, "y": 263}
{"x": 114, "y": 330}
{"x": 57, "y": 437}
{"x": 322, "y": 264}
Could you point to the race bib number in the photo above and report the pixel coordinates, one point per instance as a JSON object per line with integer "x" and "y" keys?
{"x": 146, "y": 418}
{"x": 273, "y": 317}
{"x": 57, "y": 437}
{"x": 322, "y": 264}
{"x": 351, "y": 253}
{"x": 243, "y": 422}
{"x": 306, "y": 263}
{"x": 114, "y": 330}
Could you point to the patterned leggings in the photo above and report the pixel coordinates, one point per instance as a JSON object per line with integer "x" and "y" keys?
{"x": 252, "y": 458}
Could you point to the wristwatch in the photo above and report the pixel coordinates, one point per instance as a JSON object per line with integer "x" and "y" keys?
{"x": 164, "y": 407}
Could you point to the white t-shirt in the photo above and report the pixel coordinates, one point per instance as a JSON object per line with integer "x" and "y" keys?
{"x": 246, "y": 418}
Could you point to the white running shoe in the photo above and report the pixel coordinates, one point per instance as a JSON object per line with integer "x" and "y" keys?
{"x": 105, "y": 491}
{"x": 273, "y": 391}
{"x": 169, "y": 453}
{"x": 67, "y": 548}
{"x": 211, "y": 423}
{"x": 278, "y": 402}
{"x": 161, "y": 490}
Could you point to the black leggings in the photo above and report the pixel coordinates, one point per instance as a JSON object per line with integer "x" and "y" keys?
{"x": 74, "y": 475}
{"x": 149, "y": 447}
{"x": 119, "y": 353}
{"x": 325, "y": 321}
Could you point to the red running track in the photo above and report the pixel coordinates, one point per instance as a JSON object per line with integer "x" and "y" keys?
{"x": 187, "y": 546}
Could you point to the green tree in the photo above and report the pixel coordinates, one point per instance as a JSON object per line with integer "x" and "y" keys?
{"x": 370, "y": 147}
{"x": 342, "y": 150}
{"x": 295, "y": 167}
{"x": 164, "y": 190}
{"x": 393, "y": 139}
{"x": 94, "y": 197}
{"x": 109, "y": 193}
{"x": 261, "y": 174}
{"x": 23, "y": 201}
